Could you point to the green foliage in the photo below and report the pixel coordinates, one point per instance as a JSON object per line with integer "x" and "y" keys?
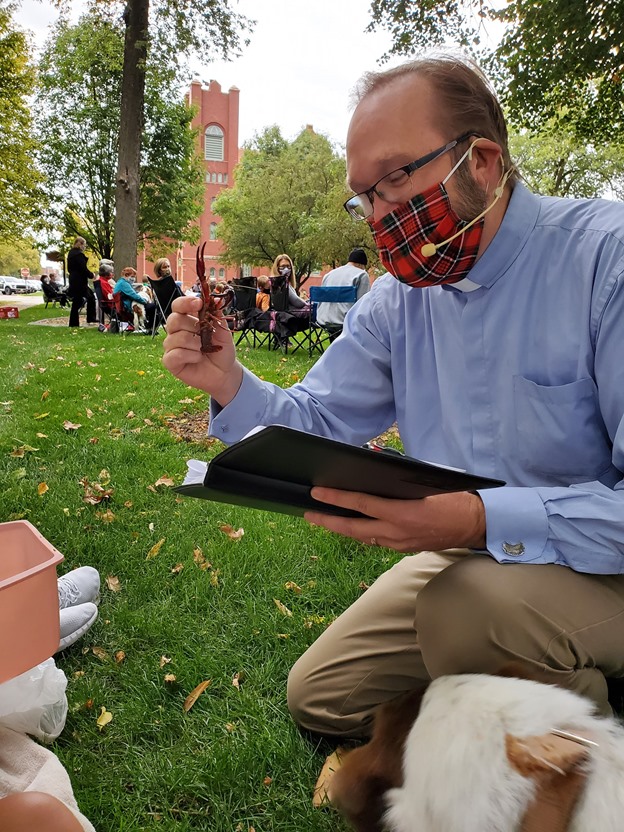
{"x": 19, "y": 254}
{"x": 21, "y": 194}
{"x": 80, "y": 87}
{"x": 288, "y": 197}
{"x": 555, "y": 162}
{"x": 556, "y": 59}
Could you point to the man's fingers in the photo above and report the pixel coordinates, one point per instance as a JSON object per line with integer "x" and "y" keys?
{"x": 186, "y": 306}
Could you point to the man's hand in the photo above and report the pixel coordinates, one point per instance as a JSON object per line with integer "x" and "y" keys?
{"x": 218, "y": 373}
{"x": 446, "y": 521}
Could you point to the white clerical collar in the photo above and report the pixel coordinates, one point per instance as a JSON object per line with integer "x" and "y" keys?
{"x": 466, "y": 285}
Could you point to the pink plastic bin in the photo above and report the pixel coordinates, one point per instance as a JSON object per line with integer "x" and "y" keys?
{"x": 29, "y": 609}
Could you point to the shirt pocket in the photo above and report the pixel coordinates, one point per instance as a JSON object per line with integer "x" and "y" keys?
{"x": 559, "y": 430}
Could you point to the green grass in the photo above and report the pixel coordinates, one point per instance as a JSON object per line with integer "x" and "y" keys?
{"x": 155, "y": 767}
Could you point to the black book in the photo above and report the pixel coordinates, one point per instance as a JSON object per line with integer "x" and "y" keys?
{"x": 275, "y": 468}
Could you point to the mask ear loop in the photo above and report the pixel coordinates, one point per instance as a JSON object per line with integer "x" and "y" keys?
{"x": 429, "y": 249}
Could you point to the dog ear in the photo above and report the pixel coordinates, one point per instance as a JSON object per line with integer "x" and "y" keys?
{"x": 358, "y": 788}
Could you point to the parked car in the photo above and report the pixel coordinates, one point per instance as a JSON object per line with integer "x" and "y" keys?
{"x": 32, "y": 285}
{"x": 10, "y": 285}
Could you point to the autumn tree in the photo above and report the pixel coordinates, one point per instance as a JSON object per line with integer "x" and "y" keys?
{"x": 80, "y": 79}
{"x": 556, "y": 59}
{"x": 288, "y": 197}
{"x": 21, "y": 194}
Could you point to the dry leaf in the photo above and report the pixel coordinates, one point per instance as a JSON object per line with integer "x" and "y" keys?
{"x": 165, "y": 481}
{"x": 363, "y": 586}
{"x": 292, "y": 585}
{"x": 42, "y": 488}
{"x": 112, "y": 582}
{"x": 104, "y": 476}
{"x": 119, "y": 656}
{"x": 186, "y": 401}
{"x": 230, "y": 532}
{"x": 175, "y": 570}
{"x": 170, "y": 677}
{"x": 148, "y": 422}
{"x": 89, "y": 413}
{"x": 151, "y": 527}
{"x": 237, "y": 678}
{"x": 163, "y": 661}
{"x": 194, "y": 695}
{"x": 282, "y": 608}
{"x": 41, "y": 435}
{"x": 94, "y": 440}
{"x": 283, "y": 635}
{"x": 214, "y": 576}
{"x": 322, "y": 790}
{"x": 89, "y": 704}
{"x": 267, "y": 781}
{"x": 130, "y": 414}
{"x": 78, "y": 673}
{"x": 155, "y": 549}
{"x": 152, "y": 489}
{"x": 104, "y": 718}
{"x": 42, "y": 415}
{"x": 105, "y": 516}
{"x": 140, "y": 372}
{"x": 71, "y": 426}
{"x": 100, "y": 653}
{"x": 98, "y": 377}
{"x": 128, "y": 504}
{"x": 45, "y": 395}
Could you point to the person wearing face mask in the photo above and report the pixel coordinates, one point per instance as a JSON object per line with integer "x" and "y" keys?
{"x": 282, "y": 275}
{"x": 496, "y": 343}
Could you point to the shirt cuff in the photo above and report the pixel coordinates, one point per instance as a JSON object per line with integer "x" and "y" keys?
{"x": 242, "y": 414}
{"x": 516, "y": 525}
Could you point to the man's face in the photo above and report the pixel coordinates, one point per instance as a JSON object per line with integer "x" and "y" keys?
{"x": 392, "y": 127}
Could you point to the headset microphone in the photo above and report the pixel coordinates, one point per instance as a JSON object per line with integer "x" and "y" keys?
{"x": 429, "y": 249}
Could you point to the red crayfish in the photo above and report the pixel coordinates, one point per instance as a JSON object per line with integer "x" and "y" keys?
{"x": 214, "y": 302}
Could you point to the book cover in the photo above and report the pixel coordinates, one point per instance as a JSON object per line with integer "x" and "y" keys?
{"x": 275, "y": 467}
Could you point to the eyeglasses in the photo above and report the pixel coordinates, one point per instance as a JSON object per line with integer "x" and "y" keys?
{"x": 360, "y": 206}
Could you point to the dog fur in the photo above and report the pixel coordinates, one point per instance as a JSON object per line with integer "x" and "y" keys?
{"x": 437, "y": 762}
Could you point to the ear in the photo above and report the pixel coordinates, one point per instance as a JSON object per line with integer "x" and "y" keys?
{"x": 486, "y": 163}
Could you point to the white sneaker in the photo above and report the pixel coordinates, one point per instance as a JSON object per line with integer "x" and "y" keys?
{"x": 75, "y": 621}
{"x": 78, "y": 586}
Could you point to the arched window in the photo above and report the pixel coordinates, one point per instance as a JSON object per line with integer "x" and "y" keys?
{"x": 221, "y": 272}
{"x": 212, "y": 272}
{"x": 213, "y": 231}
{"x": 213, "y": 199}
{"x": 213, "y": 143}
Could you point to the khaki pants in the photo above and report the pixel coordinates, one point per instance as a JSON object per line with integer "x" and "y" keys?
{"x": 438, "y": 613}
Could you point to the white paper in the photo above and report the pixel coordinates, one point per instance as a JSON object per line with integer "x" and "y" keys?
{"x": 195, "y": 472}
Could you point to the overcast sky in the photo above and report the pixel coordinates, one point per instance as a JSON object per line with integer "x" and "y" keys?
{"x": 299, "y": 68}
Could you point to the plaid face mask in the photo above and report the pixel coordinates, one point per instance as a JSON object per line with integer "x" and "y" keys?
{"x": 423, "y": 223}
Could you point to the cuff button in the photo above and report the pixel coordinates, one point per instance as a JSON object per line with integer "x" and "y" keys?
{"x": 514, "y": 550}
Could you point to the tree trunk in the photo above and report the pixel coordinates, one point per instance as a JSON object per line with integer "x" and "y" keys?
{"x": 132, "y": 100}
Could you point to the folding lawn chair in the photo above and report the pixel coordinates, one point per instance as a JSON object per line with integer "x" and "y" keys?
{"x": 326, "y": 294}
{"x": 106, "y": 308}
{"x": 252, "y": 325}
{"x": 291, "y": 327}
{"x": 165, "y": 291}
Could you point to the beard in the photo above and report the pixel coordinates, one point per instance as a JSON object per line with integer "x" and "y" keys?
{"x": 469, "y": 199}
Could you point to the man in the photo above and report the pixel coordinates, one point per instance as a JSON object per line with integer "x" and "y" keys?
{"x": 331, "y": 315}
{"x": 499, "y": 348}
{"x": 79, "y": 290}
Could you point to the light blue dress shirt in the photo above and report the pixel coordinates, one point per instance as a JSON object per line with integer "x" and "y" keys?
{"x": 515, "y": 373}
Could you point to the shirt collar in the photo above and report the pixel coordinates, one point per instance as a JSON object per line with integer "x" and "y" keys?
{"x": 518, "y": 222}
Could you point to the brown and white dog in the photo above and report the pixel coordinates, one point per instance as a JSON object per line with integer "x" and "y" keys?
{"x": 448, "y": 758}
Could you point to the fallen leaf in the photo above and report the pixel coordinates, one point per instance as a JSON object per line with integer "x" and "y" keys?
{"x": 214, "y": 577}
{"x": 267, "y": 781}
{"x": 237, "y": 678}
{"x": 128, "y": 504}
{"x": 78, "y": 673}
{"x": 148, "y": 421}
{"x": 94, "y": 440}
{"x": 170, "y": 677}
{"x": 104, "y": 718}
{"x": 152, "y": 489}
{"x": 29, "y": 366}
{"x": 89, "y": 413}
{"x": 151, "y": 527}
{"x": 230, "y": 727}
{"x": 105, "y": 516}
{"x": 283, "y": 635}
{"x": 104, "y": 476}
{"x": 140, "y": 372}
{"x": 100, "y": 653}
{"x": 292, "y": 585}
{"x": 89, "y": 704}
{"x": 186, "y": 401}
{"x": 363, "y": 586}
{"x": 163, "y": 661}
{"x": 130, "y": 414}
{"x": 230, "y": 532}
{"x": 41, "y": 435}
{"x": 322, "y": 790}
{"x": 23, "y": 449}
{"x": 45, "y": 395}
{"x": 112, "y": 582}
{"x": 41, "y": 415}
{"x": 66, "y": 512}
{"x": 119, "y": 656}
{"x": 42, "y": 488}
{"x": 165, "y": 481}
{"x": 70, "y": 425}
{"x": 19, "y": 474}
{"x": 194, "y": 695}
{"x": 155, "y": 549}
{"x": 98, "y": 377}
{"x": 282, "y": 608}
{"x": 175, "y": 570}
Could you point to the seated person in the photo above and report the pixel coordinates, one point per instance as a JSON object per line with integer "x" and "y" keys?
{"x": 282, "y": 273}
{"x": 106, "y": 282}
{"x": 331, "y": 315}
{"x": 129, "y": 297}
{"x": 263, "y": 298}
{"x": 52, "y": 292}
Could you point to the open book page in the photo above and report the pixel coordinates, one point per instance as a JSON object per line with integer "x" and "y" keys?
{"x": 195, "y": 472}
